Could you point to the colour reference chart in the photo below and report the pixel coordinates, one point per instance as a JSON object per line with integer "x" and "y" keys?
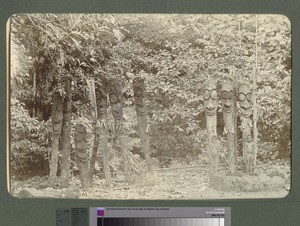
{"x": 144, "y": 216}
{"x": 160, "y": 222}
{"x": 160, "y": 216}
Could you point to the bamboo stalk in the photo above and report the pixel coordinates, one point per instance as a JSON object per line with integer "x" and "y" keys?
{"x": 255, "y": 92}
{"x": 34, "y": 95}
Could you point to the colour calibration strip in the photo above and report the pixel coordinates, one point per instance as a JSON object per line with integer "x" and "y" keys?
{"x": 160, "y": 222}
{"x": 144, "y": 216}
{"x": 160, "y": 216}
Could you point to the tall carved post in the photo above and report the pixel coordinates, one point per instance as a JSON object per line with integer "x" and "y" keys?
{"x": 66, "y": 133}
{"x": 210, "y": 104}
{"x": 57, "y": 116}
{"x": 214, "y": 148}
{"x": 115, "y": 98}
{"x": 227, "y": 97}
{"x": 93, "y": 100}
{"x": 245, "y": 105}
{"x": 249, "y": 153}
{"x": 81, "y": 154}
{"x": 102, "y": 135}
{"x": 142, "y": 122}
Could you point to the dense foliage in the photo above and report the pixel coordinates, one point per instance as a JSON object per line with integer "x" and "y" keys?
{"x": 30, "y": 142}
{"x": 174, "y": 53}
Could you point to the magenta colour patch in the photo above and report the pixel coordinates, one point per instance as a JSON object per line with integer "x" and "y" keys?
{"x": 100, "y": 212}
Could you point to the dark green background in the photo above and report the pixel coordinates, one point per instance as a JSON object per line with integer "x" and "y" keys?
{"x": 258, "y": 212}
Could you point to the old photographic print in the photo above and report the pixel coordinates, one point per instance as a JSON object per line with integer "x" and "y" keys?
{"x": 150, "y": 106}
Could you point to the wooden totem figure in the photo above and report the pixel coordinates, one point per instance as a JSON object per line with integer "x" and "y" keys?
{"x": 210, "y": 104}
{"x": 214, "y": 149}
{"x": 228, "y": 106}
{"x": 102, "y": 134}
{"x": 245, "y": 105}
{"x": 66, "y": 132}
{"x": 115, "y": 99}
{"x": 57, "y": 117}
{"x": 82, "y": 155}
{"x": 142, "y": 121}
{"x": 249, "y": 153}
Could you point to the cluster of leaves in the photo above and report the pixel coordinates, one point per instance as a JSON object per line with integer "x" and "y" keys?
{"x": 30, "y": 142}
{"x": 214, "y": 45}
{"x": 174, "y": 53}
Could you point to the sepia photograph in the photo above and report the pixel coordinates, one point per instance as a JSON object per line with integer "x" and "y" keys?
{"x": 149, "y": 106}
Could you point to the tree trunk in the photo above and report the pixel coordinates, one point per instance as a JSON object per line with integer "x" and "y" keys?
{"x": 34, "y": 95}
{"x": 255, "y": 113}
{"x": 142, "y": 122}
{"x": 57, "y": 115}
{"x": 66, "y": 135}
{"x": 82, "y": 155}
{"x": 94, "y": 153}
{"x": 255, "y": 133}
{"x": 283, "y": 145}
{"x": 125, "y": 161}
{"x": 235, "y": 116}
{"x": 101, "y": 142}
{"x": 101, "y": 135}
{"x": 104, "y": 147}
{"x": 93, "y": 100}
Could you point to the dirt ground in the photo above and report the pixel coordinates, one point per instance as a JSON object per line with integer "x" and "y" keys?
{"x": 167, "y": 184}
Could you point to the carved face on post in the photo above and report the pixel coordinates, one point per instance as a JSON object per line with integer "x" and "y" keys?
{"x": 68, "y": 83}
{"x": 249, "y": 138}
{"x": 57, "y": 107}
{"x": 80, "y": 132}
{"x": 57, "y": 112}
{"x": 227, "y": 97}
{"x": 214, "y": 138}
{"x": 101, "y": 96}
{"x": 102, "y": 103}
{"x": 80, "y": 142}
{"x": 210, "y": 97}
{"x": 245, "y": 99}
{"x": 115, "y": 98}
{"x": 139, "y": 96}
